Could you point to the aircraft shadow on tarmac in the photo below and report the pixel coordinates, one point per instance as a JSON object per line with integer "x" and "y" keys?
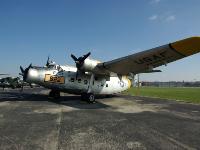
{"x": 67, "y": 100}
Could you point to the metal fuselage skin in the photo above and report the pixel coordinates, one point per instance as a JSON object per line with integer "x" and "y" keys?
{"x": 66, "y": 81}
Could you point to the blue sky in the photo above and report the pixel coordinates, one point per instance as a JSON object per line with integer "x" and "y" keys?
{"x": 30, "y": 30}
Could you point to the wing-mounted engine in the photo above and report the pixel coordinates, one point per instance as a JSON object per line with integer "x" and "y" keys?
{"x": 85, "y": 64}
{"x": 89, "y": 65}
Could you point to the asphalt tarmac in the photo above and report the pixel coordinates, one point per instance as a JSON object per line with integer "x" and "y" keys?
{"x": 32, "y": 121}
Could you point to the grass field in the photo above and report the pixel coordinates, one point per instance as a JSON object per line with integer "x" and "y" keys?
{"x": 185, "y": 94}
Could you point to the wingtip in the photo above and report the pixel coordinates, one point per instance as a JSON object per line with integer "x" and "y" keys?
{"x": 187, "y": 46}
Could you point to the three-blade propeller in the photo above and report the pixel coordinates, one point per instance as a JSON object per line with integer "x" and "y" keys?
{"x": 80, "y": 61}
{"x": 24, "y": 73}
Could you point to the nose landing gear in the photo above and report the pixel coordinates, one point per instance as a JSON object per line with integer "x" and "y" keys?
{"x": 54, "y": 94}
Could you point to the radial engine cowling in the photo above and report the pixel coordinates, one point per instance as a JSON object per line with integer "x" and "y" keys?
{"x": 89, "y": 65}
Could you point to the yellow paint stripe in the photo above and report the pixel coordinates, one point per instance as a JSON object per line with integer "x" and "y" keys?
{"x": 128, "y": 80}
{"x": 129, "y": 83}
{"x": 187, "y": 46}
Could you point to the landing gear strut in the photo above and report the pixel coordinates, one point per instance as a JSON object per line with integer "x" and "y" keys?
{"x": 54, "y": 94}
{"x": 89, "y": 97}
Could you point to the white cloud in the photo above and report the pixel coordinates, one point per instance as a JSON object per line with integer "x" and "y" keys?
{"x": 162, "y": 18}
{"x": 170, "y": 18}
{"x": 153, "y": 17}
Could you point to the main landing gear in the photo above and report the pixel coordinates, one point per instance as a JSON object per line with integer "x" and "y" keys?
{"x": 89, "y": 97}
{"x": 54, "y": 94}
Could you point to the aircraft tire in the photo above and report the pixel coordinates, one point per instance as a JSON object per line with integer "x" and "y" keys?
{"x": 54, "y": 94}
{"x": 90, "y": 97}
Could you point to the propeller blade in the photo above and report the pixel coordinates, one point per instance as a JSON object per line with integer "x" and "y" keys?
{"x": 47, "y": 64}
{"x": 22, "y": 69}
{"x": 86, "y": 56}
{"x": 74, "y": 57}
{"x": 30, "y": 66}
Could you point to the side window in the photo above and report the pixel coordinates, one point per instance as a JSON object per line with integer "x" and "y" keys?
{"x": 72, "y": 79}
{"x": 85, "y": 82}
{"x": 79, "y": 80}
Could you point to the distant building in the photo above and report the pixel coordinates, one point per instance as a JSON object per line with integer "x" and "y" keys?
{"x": 171, "y": 84}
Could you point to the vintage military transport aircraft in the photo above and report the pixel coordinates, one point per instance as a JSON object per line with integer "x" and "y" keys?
{"x": 91, "y": 77}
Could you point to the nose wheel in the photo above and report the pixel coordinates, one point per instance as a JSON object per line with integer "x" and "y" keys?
{"x": 54, "y": 94}
{"x": 89, "y": 97}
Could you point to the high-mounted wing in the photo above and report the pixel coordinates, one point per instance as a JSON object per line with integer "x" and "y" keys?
{"x": 147, "y": 60}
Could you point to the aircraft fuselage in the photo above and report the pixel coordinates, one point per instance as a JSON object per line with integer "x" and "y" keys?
{"x": 68, "y": 81}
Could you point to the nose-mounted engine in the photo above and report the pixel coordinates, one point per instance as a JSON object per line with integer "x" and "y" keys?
{"x": 34, "y": 74}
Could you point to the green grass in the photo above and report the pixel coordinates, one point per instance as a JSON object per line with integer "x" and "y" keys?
{"x": 185, "y": 94}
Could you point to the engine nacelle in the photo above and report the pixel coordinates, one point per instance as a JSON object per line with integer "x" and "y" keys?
{"x": 89, "y": 65}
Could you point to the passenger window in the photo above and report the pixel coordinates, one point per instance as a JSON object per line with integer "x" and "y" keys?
{"x": 85, "y": 82}
{"x": 72, "y": 79}
{"x": 79, "y": 80}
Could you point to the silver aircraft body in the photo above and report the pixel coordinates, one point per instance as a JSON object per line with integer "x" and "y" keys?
{"x": 67, "y": 81}
{"x": 91, "y": 77}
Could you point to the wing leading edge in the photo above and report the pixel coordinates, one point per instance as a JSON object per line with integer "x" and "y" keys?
{"x": 147, "y": 60}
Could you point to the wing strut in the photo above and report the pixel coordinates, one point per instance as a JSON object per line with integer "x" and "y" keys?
{"x": 90, "y": 84}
